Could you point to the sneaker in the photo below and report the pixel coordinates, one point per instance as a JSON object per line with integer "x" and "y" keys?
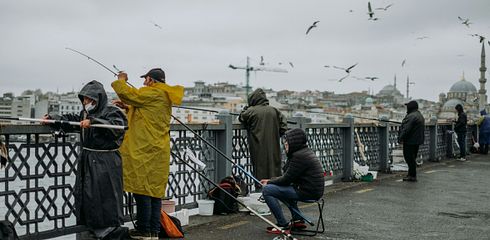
{"x": 298, "y": 224}
{"x": 274, "y": 230}
{"x": 409, "y": 179}
{"x": 135, "y": 234}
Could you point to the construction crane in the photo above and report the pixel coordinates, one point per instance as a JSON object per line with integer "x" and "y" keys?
{"x": 249, "y": 68}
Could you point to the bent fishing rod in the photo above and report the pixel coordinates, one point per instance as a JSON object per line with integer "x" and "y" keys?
{"x": 178, "y": 120}
{"x": 97, "y": 62}
{"x": 287, "y": 235}
{"x": 64, "y": 122}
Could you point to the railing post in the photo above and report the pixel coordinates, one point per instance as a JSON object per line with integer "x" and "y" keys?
{"x": 348, "y": 137}
{"x": 433, "y": 140}
{"x": 449, "y": 143}
{"x": 384, "y": 145}
{"x": 224, "y": 143}
{"x": 300, "y": 120}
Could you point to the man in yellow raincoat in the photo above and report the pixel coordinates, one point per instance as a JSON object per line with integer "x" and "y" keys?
{"x": 146, "y": 146}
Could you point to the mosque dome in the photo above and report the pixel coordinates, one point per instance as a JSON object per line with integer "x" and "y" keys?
{"x": 389, "y": 90}
{"x": 463, "y": 86}
{"x": 450, "y": 104}
{"x": 369, "y": 101}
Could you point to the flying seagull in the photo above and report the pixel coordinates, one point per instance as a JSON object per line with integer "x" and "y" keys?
{"x": 156, "y": 25}
{"x": 262, "y": 60}
{"x": 371, "y": 78}
{"x": 403, "y": 62}
{"x": 371, "y": 13}
{"x": 465, "y": 21}
{"x": 312, "y": 26}
{"x": 422, "y": 38}
{"x": 385, "y": 8}
{"x": 347, "y": 70}
{"x": 482, "y": 38}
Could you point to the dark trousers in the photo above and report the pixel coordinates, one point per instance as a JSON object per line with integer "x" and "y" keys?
{"x": 484, "y": 148}
{"x": 462, "y": 143}
{"x": 410, "y": 153}
{"x": 148, "y": 213}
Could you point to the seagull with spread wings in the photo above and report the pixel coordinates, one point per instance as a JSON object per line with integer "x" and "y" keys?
{"x": 482, "y": 38}
{"x": 347, "y": 70}
{"x": 312, "y": 26}
{"x": 422, "y": 38}
{"x": 385, "y": 8}
{"x": 465, "y": 21}
{"x": 371, "y": 78}
{"x": 371, "y": 13}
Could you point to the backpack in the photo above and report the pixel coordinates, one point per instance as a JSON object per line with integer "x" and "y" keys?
{"x": 223, "y": 203}
{"x": 7, "y": 231}
{"x": 170, "y": 226}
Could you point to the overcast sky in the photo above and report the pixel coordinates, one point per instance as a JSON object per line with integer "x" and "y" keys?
{"x": 199, "y": 39}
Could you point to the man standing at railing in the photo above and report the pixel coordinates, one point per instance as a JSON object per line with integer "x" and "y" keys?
{"x": 99, "y": 185}
{"x": 265, "y": 125}
{"x": 411, "y": 135}
{"x": 460, "y": 127}
{"x": 146, "y": 146}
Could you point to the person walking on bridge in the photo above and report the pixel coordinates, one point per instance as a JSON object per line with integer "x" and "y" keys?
{"x": 460, "y": 127}
{"x": 411, "y": 135}
{"x": 265, "y": 125}
{"x": 146, "y": 146}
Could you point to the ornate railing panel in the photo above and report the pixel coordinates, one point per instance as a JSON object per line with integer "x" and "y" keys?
{"x": 327, "y": 142}
{"x": 368, "y": 136}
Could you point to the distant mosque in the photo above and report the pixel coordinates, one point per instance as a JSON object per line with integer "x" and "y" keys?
{"x": 465, "y": 93}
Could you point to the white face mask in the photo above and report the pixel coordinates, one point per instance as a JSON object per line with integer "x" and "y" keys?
{"x": 88, "y": 107}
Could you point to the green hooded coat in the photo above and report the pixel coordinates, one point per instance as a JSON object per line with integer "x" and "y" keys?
{"x": 265, "y": 125}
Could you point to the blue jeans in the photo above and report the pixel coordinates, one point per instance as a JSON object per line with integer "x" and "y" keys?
{"x": 273, "y": 194}
{"x": 148, "y": 213}
{"x": 462, "y": 143}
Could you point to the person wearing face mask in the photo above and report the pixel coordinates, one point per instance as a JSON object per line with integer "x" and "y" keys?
{"x": 146, "y": 146}
{"x": 99, "y": 184}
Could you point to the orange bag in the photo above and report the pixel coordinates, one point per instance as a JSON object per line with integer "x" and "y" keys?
{"x": 171, "y": 226}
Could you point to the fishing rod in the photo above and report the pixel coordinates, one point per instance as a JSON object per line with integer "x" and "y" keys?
{"x": 99, "y": 63}
{"x": 215, "y": 111}
{"x": 217, "y": 150}
{"x": 287, "y": 235}
{"x": 354, "y": 116}
{"x": 64, "y": 122}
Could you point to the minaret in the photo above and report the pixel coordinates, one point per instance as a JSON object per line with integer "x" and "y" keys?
{"x": 483, "y": 97}
{"x": 394, "y": 84}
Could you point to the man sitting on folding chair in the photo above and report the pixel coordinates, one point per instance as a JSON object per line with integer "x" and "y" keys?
{"x": 303, "y": 180}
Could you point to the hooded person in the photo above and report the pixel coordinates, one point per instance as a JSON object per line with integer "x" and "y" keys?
{"x": 303, "y": 179}
{"x": 265, "y": 126}
{"x": 460, "y": 127}
{"x": 146, "y": 146}
{"x": 98, "y": 185}
{"x": 484, "y": 135}
{"x": 411, "y": 135}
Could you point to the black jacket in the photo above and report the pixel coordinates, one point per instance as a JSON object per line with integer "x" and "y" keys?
{"x": 302, "y": 170}
{"x": 460, "y": 125}
{"x": 98, "y": 189}
{"x": 412, "y": 130}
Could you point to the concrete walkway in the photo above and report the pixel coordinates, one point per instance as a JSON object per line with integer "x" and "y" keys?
{"x": 451, "y": 200}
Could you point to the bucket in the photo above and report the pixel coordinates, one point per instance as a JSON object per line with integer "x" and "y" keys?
{"x": 168, "y": 206}
{"x": 205, "y": 207}
{"x": 244, "y": 200}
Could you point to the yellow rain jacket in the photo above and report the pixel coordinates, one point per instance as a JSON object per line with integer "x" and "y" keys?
{"x": 146, "y": 146}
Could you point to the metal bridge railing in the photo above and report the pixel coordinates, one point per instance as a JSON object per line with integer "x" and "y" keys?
{"x": 36, "y": 188}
